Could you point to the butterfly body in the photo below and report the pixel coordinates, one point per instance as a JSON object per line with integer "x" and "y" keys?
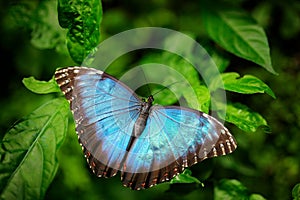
{"x": 141, "y": 121}
{"x": 148, "y": 144}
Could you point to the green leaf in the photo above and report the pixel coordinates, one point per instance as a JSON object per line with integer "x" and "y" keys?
{"x": 40, "y": 87}
{"x": 28, "y": 151}
{"x": 237, "y": 32}
{"x": 244, "y": 118}
{"x": 248, "y": 84}
{"x": 296, "y": 192}
{"x": 185, "y": 177}
{"x": 230, "y": 189}
{"x": 82, "y": 18}
{"x": 233, "y": 190}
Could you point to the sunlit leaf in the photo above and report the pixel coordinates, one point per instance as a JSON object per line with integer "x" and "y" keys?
{"x": 28, "y": 151}
{"x": 247, "y": 84}
{"x": 185, "y": 177}
{"x": 40, "y": 87}
{"x": 238, "y": 33}
{"x": 244, "y": 118}
{"x": 82, "y": 18}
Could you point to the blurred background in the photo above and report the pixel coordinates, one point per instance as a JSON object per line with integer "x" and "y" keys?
{"x": 266, "y": 163}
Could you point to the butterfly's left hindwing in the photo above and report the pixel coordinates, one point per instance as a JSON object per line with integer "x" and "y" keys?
{"x": 105, "y": 112}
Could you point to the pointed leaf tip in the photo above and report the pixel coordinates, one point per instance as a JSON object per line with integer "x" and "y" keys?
{"x": 237, "y": 32}
{"x": 247, "y": 84}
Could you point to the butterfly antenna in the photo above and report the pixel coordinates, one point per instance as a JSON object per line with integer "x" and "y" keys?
{"x": 148, "y": 86}
{"x": 165, "y": 87}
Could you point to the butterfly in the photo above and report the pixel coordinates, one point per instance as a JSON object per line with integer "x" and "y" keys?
{"x": 149, "y": 144}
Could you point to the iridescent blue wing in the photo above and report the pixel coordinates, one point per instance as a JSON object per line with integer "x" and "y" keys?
{"x": 104, "y": 110}
{"x": 174, "y": 138}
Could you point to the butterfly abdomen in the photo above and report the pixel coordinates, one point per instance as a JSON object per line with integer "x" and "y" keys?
{"x": 141, "y": 121}
{"x": 139, "y": 125}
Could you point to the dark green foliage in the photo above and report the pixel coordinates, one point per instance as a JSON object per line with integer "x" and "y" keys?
{"x": 82, "y": 20}
{"x": 40, "y": 36}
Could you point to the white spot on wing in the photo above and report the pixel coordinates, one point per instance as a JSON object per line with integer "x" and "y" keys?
{"x": 195, "y": 158}
{"x": 214, "y": 151}
{"x": 205, "y": 153}
{"x": 223, "y": 131}
{"x": 228, "y": 146}
{"x": 184, "y": 163}
{"x": 99, "y": 72}
{"x": 222, "y": 149}
{"x": 205, "y": 115}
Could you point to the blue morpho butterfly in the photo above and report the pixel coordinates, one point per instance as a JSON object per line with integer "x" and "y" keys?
{"x": 148, "y": 144}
